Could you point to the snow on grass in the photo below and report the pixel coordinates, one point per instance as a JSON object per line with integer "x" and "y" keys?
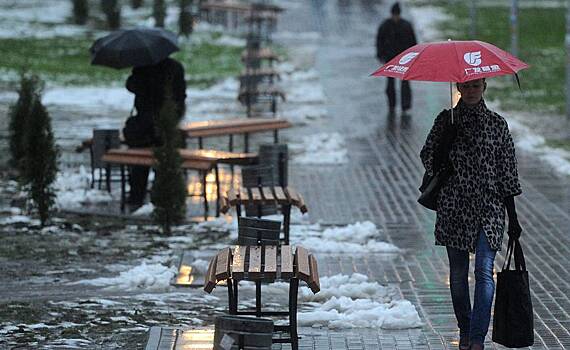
{"x": 321, "y": 148}
{"x": 73, "y": 189}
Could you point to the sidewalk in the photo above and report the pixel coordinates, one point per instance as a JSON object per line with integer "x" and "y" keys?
{"x": 379, "y": 184}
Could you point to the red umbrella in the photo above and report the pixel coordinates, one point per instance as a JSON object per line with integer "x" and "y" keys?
{"x": 451, "y": 61}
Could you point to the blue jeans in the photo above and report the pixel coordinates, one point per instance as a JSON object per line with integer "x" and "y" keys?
{"x": 473, "y": 323}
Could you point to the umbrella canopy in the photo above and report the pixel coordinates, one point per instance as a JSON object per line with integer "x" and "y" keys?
{"x": 451, "y": 61}
{"x": 133, "y": 47}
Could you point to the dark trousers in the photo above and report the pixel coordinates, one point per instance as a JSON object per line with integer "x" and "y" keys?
{"x": 138, "y": 181}
{"x": 406, "y": 94}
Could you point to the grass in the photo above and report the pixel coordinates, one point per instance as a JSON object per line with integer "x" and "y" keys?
{"x": 543, "y": 84}
{"x": 65, "y": 61}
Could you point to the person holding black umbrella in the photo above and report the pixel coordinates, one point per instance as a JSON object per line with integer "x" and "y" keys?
{"x": 150, "y": 84}
{"x": 153, "y": 77}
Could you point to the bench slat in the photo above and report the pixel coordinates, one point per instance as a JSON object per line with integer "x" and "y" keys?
{"x": 223, "y": 264}
{"x": 302, "y": 270}
{"x": 238, "y": 263}
{"x": 243, "y": 194}
{"x": 255, "y": 194}
{"x": 210, "y": 280}
{"x": 270, "y": 268}
{"x": 314, "y": 282}
{"x": 297, "y": 199}
{"x": 280, "y": 195}
{"x": 267, "y": 194}
{"x": 286, "y": 262}
{"x": 254, "y": 269}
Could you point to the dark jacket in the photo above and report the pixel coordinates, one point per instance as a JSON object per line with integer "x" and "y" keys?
{"x": 394, "y": 37}
{"x": 148, "y": 83}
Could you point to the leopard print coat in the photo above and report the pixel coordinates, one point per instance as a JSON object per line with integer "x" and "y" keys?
{"x": 485, "y": 172}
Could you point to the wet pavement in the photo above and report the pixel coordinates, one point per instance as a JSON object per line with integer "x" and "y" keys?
{"x": 377, "y": 184}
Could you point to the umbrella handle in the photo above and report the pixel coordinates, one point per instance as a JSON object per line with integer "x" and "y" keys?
{"x": 451, "y": 100}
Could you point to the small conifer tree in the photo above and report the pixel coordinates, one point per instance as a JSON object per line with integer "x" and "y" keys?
{"x": 185, "y": 20}
{"x": 159, "y": 13}
{"x": 168, "y": 194}
{"x": 80, "y": 11}
{"x": 40, "y": 161}
{"x": 19, "y": 115}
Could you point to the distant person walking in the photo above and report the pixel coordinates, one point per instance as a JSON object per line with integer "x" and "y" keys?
{"x": 394, "y": 36}
{"x": 472, "y": 202}
{"x": 150, "y": 85}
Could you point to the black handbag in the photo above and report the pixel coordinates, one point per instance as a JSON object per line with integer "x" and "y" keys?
{"x": 513, "y": 323}
{"x": 431, "y": 184}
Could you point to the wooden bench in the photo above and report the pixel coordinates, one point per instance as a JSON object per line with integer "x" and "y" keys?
{"x": 254, "y": 76}
{"x": 250, "y": 96}
{"x": 285, "y": 197}
{"x": 269, "y": 263}
{"x": 230, "y": 127}
{"x": 249, "y": 56}
{"x": 203, "y": 161}
{"x": 227, "y": 8}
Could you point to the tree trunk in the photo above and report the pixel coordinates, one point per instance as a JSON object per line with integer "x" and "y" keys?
{"x": 159, "y": 13}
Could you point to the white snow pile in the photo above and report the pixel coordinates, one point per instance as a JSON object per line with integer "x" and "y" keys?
{"x": 355, "y": 302}
{"x": 152, "y": 276}
{"x": 321, "y": 148}
{"x": 73, "y": 190}
{"x": 144, "y": 210}
{"x": 351, "y": 302}
{"x": 359, "y": 237}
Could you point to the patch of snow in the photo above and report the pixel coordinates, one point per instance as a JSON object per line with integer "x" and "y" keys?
{"x": 145, "y": 210}
{"x": 322, "y": 148}
{"x": 73, "y": 189}
{"x": 144, "y": 276}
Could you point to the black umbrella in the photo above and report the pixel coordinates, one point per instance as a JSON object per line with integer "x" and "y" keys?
{"x": 133, "y": 47}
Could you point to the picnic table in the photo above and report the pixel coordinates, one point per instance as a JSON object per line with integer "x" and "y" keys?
{"x": 230, "y": 127}
{"x": 285, "y": 197}
{"x": 269, "y": 264}
{"x": 202, "y": 161}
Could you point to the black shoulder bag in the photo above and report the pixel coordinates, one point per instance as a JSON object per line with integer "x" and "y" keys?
{"x": 431, "y": 184}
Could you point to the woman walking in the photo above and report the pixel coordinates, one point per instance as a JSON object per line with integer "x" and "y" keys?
{"x": 471, "y": 204}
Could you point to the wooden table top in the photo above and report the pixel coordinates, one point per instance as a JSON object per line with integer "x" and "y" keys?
{"x": 233, "y": 126}
{"x": 145, "y": 157}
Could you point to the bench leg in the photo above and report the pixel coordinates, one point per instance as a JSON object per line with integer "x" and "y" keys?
{"x": 293, "y": 290}
{"x": 258, "y": 298}
{"x": 232, "y": 302}
{"x": 246, "y": 142}
{"x": 275, "y": 136}
{"x": 286, "y": 209}
{"x": 205, "y": 195}
{"x": 217, "y": 173}
{"x": 123, "y": 189}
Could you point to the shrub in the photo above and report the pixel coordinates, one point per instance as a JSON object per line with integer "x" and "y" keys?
{"x": 40, "y": 160}
{"x": 168, "y": 194}
{"x": 19, "y": 115}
